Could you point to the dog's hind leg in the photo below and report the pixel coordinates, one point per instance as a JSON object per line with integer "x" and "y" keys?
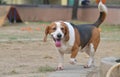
{"x": 91, "y": 53}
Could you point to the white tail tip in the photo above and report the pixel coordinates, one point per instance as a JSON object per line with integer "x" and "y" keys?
{"x": 102, "y": 7}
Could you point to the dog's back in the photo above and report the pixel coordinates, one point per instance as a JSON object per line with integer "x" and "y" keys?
{"x": 85, "y": 33}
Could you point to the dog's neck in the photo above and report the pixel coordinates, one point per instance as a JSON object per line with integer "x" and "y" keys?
{"x": 71, "y": 34}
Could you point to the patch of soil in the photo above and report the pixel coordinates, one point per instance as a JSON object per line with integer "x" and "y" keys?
{"x": 28, "y": 57}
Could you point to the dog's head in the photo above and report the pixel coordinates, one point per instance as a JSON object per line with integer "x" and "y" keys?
{"x": 59, "y": 32}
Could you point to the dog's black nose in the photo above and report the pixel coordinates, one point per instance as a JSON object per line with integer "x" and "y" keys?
{"x": 59, "y": 35}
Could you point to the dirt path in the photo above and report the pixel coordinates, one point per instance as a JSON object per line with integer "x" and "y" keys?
{"x": 27, "y": 57}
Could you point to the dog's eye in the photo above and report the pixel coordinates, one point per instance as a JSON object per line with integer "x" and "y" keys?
{"x": 62, "y": 28}
{"x": 54, "y": 28}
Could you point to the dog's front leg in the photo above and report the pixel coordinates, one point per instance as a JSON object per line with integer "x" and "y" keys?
{"x": 61, "y": 60}
{"x": 73, "y": 55}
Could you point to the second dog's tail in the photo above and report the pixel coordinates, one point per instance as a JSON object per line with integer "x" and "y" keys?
{"x": 103, "y": 12}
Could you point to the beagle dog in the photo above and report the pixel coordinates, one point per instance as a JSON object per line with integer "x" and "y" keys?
{"x": 71, "y": 38}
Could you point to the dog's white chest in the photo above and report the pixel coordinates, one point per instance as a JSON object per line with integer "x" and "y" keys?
{"x": 65, "y": 48}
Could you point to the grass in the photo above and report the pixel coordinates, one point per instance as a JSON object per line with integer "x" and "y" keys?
{"x": 109, "y": 28}
{"x": 44, "y": 69}
{"x": 13, "y": 32}
{"x": 13, "y": 72}
{"x": 110, "y": 32}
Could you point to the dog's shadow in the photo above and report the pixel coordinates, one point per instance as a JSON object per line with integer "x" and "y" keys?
{"x": 72, "y": 71}
{"x": 77, "y": 68}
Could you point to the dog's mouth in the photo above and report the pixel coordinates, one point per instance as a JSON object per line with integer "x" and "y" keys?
{"x": 57, "y": 42}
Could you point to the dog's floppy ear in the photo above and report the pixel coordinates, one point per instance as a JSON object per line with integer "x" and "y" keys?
{"x": 66, "y": 34}
{"x": 46, "y": 33}
{"x": 66, "y": 31}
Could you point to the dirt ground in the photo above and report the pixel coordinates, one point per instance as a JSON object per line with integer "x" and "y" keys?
{"x": 23, "y": 52}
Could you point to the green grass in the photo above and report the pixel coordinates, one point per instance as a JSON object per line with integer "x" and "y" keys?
{"x": 42, "y": 22}
{"x": 13, "y": 32}
{"x": 13, "y": 72}
{"x": 110, "y": 28}
{"x": 45, "y": 69}
{"x": 110, "y": 32}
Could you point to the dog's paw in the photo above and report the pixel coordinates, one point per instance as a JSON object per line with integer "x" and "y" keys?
{"x": 73, "y": 61}
{"x": 87, "y": 66}
{"x": 60, "y": 67}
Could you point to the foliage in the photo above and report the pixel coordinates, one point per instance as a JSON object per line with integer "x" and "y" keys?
{"x": 2, "y": 2}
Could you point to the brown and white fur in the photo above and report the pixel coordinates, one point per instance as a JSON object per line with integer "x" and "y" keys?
{"x": 69, "y": 38}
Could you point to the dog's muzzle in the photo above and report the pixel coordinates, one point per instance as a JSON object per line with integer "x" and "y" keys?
{"x": 58, "y": 40}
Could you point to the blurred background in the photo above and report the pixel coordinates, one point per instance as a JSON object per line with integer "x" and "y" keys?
{"x": 22, "y": 26}
{"x": 56, "y": 2}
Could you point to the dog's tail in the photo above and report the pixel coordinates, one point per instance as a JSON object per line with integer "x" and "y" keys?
{"x": 103, "y": 12}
